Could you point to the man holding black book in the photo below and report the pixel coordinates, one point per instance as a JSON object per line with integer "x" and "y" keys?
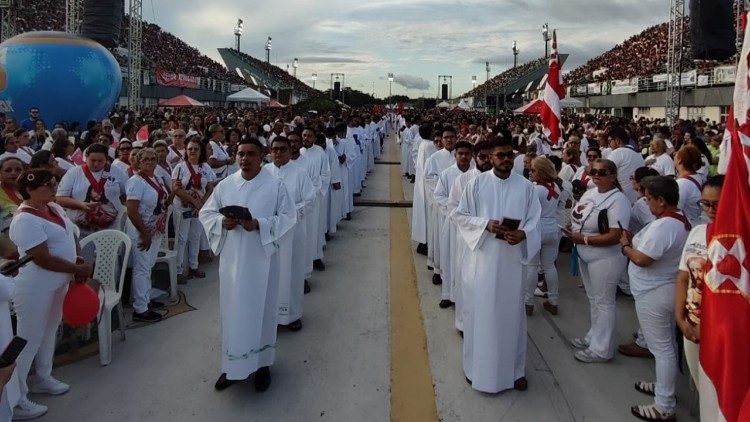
{"x": 498, "y": 217}
{"x": 245, "y": 218}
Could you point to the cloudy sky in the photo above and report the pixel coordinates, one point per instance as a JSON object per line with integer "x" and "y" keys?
{"x": 417, "y": 40}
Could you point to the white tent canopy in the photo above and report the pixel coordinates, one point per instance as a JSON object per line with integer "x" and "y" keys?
{"x": 444, "y": 104}
{"x": 248, "y": 95}
{"x": 463, "y": 104}
{"x": 569, "y": 102}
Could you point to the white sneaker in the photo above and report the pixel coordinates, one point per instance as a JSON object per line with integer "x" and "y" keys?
{"x": 587, "y": 356}
{"x": 580, "y": 343}
{"x": 539, "y": 293}
{"x": 47, "y": 386}
{"x": 27, "y": 409}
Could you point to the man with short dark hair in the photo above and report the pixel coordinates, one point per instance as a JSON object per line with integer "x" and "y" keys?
{"x": 248, "y": 262}
{"x": 30, "y": 122}
{"x": 498, "y": 217}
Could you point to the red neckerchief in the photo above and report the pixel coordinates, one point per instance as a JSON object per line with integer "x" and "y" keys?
{"x": 53, "y": 217}
{"x": 585, "y": 178}
{"x": 176, "y": 151}
{"x": 677, "y": 216}
{"x": 157, "y": 187}
{"x": 195, "y": 178}
{"x": 98, "y": 185}
{"x": 11, "y": 192}
{"x": 166, "y": 167}
{"x": 551, "y": 192}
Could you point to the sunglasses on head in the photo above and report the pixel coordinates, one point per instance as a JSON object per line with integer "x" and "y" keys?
{"x": 599, "y": 172}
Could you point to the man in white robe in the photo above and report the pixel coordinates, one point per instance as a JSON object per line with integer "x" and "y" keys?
{"x": 356, "y": 164}
{"x": 419, "y": 211}
{"x": 335, "y": 193}
{"x": 447, "y": 238}
{"x": 494, "y": 348}
{"x": 626, "y": 159}
{"x": 319, "y": 162}
{"x": 312, "y": 214}
{"x": 406, "y": 137}
{"x": 347, "y": 148}
{"x": 292, "y": 254}
{"x": 482, "y": 163}
{"x": 248, "y": 265}
{"x": 436, "y": 164}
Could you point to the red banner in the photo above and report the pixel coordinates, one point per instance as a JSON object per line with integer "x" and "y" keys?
{"x": 176, "y": 79}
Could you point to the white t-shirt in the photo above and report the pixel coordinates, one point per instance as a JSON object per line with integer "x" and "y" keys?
{"x": 693, "y": 261}
{"x": 125, "y": 168}
{"x": 663, "y": 164}
{"x": 548, "y": 217}
{"x": 218, "y": 152}
{"x": 661, "y": 240}
{"x": 28, "y": 231}
{"x": 175, "y": 155}
{"x": 164, "y": 175}
{"x": 563, "y": 214}
{"x": 64, "y": 164}
{"x": 585, "y": 214}
{"x": 518, "y": 164}
{"x": 137, "y": 189}
{"x": 181, "y": 172}
{"x": 640, "y": 215}
{"x": 584, "y": 178}
{"x": 690, "y": 194}
{"x": 74, "y": 184}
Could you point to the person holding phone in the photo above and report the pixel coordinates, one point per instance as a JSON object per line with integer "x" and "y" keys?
{"x": 654, "y": 255}
{"x": 42, "y": 229}
{"x": 193, "y": 181}
{"x": 596, "y": 222}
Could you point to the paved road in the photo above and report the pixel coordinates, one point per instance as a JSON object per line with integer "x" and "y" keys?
{"x": 340, "y": 366}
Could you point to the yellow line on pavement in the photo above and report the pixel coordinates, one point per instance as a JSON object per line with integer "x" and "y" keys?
{"x": 412, "y": 390}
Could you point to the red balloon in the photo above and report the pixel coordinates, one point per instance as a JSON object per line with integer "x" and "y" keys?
{"x": 81, "y": 305}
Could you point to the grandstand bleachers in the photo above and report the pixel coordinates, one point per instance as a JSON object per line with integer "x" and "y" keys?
{"x": 505, "y": 78}
{"x": 265, "y": 73}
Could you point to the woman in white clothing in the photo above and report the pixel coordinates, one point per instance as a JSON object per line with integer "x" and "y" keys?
{"x": 163, "y": 170}
{"x": 690, "y": 182}
{"x": 41, "y": 229}
{"x": 93, "y": 194}
{"x": 62, "y": 149}
{"x": 597, "y": 222}
{"x": 654, "y": 254}
{"x": 659, "y": 160}
{"x": 123, "y": 157}
{"x": 542, "y": 173}
{"x": 147, "y": 211}
{"x": 582, "y": 181}
{"x": 691, "y": 277}
{"x": 193, "y": 182}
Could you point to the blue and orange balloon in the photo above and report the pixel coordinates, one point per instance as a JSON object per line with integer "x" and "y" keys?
{"x": 70, "y": 78}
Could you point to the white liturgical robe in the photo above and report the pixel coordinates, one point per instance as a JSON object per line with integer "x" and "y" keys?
{"x": 248, "y": 268}
{"x": 419, "y": 212}
{"x": 292, "y": 251}
{"x": 439, "y": 161}
{"x": 494, "y": 348}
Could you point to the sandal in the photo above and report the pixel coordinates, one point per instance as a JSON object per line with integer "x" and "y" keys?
{"x": 649, "y": 412}
{"x": 647, "y": 388}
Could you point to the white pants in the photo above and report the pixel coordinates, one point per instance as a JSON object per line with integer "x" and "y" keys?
{"x": 600, "y": 270}
{"x": 655, "y": 310}
{"x": 546, "y": 258}
{"x": 691, "y": 357}
{"x": 143, "y": 263}
{"x": 188, "y": 240}
{"x": 38, "y": 314}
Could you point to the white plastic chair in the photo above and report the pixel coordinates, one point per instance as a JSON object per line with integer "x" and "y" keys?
{"x": 107, "y": 247}
{"x": 168, "y": 254}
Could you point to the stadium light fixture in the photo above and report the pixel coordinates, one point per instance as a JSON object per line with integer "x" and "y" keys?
{"x": 390, "y": 87}
{"x": 474, "y": 81}
{"x": 314, "y": 78}
{"x": 238, "y": 33}
{"x": 268, "y": 50}
{"x": 515, "y": 54}
{"x": 547, "y": 38}
{"x": 295, "y": 65}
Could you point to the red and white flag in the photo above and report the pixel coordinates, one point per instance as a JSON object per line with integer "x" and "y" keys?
{"x": 725, "y": 306}
{"x": 554, "y": 91}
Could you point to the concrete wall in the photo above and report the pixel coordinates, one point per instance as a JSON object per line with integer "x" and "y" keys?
{"x": 699, "y": 97}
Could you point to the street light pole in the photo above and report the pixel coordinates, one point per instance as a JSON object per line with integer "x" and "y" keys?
{"x": 547, "y": 37}
{"x": 390, "y": 87}
{"x": 238, "y": 33}
{"x": 515, "y": 54}
{"x": 268, "y": 50}
{"x": 295, "y": 65}
{"x": 314, "y": 78}
{"x": 487, "y": 68}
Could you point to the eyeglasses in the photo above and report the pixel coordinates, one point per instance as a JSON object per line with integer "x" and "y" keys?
{"x": 599, "y": 172}
{"x": 279, "y": 149}
{"x": 706, "y": 205}
{"x": 193, "y": 149}
{"x": 503, "y": 155}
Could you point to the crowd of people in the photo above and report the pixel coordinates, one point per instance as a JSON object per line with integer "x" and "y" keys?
{"x": 261, "y": 190}
{"x": 277, "y": 73}
{"x": 505, "y": 78}
{"x": 495, "y": 204}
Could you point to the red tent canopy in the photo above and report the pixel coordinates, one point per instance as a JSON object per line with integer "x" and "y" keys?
{"x": 181, "y": 101}
{"x": 275, "y": 104}
{"x": 534, "y": 107}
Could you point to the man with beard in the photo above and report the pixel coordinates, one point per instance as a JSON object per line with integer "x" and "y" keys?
{"x": 498, "y": 211}
{"x": 318, "y": 160}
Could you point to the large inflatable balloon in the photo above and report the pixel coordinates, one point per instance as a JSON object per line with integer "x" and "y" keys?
{"x": 68, "y": 77}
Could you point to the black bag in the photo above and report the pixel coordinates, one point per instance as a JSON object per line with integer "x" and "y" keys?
{"x": 603, "y": 222}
